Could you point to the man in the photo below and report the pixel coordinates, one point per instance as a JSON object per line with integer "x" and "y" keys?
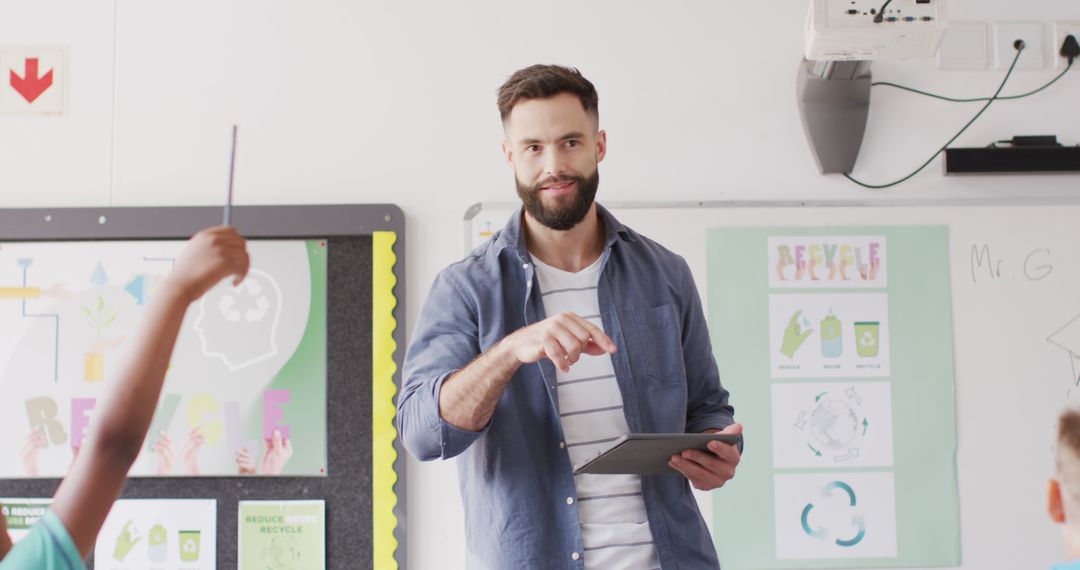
{"x": 563, "y": 332}
{"x": 1064, "y": 492}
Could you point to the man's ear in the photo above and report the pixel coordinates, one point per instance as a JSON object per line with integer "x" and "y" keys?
{"x": 1054, "y": 504}
{"x": 508, "y": 152}
{"x": 601, "y": 145}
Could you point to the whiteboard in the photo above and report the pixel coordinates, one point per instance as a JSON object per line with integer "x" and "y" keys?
{"x": 1015, "y": 286}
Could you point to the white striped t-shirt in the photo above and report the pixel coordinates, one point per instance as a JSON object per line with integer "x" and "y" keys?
{"x": 614, "y": 525}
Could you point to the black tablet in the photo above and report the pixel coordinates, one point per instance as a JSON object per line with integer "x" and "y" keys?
{"x": 648, "y": 453}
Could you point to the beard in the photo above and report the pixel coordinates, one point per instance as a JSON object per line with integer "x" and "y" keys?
{"x": 568, "y": 210}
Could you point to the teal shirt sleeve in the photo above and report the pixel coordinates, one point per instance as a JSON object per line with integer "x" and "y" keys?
{"x": 47, "y": 547}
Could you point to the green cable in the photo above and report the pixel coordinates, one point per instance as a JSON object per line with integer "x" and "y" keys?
{"x": 989, "y": 102}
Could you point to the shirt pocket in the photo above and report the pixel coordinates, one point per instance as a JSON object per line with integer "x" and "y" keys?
{"x": 661, "y": 343}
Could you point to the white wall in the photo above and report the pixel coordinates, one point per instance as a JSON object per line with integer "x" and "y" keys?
{"x": 382, "y": 101}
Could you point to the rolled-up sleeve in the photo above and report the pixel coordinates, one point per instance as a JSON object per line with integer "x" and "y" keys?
{"x": 445, "y": 340}
{"x": 707, "y": 404}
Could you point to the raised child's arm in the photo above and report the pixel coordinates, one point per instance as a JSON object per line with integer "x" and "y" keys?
{"x": 116, "y": 434}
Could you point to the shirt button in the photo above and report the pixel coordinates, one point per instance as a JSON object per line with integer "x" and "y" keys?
{"x": 575, "y": 556}
{"x": 562, "y": 445}
{"x": 569, "y": 500}
{"x": 524, "y": 265}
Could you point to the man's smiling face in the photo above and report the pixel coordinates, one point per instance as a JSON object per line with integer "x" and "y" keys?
{"x": 555, "y": 147}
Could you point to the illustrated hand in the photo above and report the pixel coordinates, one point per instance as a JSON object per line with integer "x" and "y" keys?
{"x": 810, "y": 266}
{"x": 125, "y": 542}
{"x": 709, "y": 470}
{"x": 794, "y": 336}
{"x": 561, "y": 338}
{"x": 210, "y": 256}
{"x": 245, "y": 463}
{"x": 34, "y": 442}
{"x": 190, "y": 450}
{"x": 780, "y": 265}
{"x": 875, "y": 266}
{"x": 163, "y": 449}
{"x": 843, "y": 269}
{"x": 278, "y": 452}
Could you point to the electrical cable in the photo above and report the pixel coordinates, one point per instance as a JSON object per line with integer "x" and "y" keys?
{"x": 880, "y": 16}
{"x": 1070, "y": 49}
{"x": 973, "y": 99}
{"x": 1019, "y": 50}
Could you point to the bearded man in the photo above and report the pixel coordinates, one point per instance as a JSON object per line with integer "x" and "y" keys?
{"x": 563, "y": 332}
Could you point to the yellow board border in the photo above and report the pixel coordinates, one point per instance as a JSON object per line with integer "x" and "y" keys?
{"x": 384, "y": 456}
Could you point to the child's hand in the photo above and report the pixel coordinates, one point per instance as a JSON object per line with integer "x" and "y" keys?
{"x": 210, "y": 256}
{"x": 164, "y": 451}
{"x": 278, "y": 452}
{"x": 190, "y": 450}
{"x": 245, "y": 463}
{"x": 33, "y": 443}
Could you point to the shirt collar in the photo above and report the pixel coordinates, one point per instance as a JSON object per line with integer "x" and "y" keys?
{"x": 512, "y": 235}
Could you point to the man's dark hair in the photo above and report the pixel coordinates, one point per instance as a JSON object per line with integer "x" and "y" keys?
{"x": 543, "y": 82}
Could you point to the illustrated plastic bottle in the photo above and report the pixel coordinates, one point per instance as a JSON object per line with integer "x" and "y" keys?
{"x": 157, "y": 549}
{"x": 832, "y": 343}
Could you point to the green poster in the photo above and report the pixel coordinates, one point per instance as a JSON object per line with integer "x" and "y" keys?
{"x": 282, "y": 535}
{"x": 836, "y": 345}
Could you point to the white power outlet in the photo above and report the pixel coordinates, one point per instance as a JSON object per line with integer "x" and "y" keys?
{"x": 966, "y": 46}
{"x": 1034, "y": 36}
{"x": 1061, "y": 31}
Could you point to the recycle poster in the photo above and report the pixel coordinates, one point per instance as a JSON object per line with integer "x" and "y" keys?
{"x": 836, "y": 345}
{"x": 245, "y": 392}
{"x": 282, "y": 535}
{"x": 163, "y": 534}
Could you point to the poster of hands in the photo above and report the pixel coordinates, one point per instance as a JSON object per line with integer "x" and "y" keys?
{"x": 245, "y": 392}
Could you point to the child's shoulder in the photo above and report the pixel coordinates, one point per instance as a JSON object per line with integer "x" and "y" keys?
{"x": 48, "y": 546}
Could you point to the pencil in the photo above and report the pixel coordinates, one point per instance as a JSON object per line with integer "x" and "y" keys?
{"x": 232, "y": 176}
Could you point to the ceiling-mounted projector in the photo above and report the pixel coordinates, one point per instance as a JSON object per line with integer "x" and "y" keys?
{"x": 842, "y": 38}
{"x": 843, "y": 30}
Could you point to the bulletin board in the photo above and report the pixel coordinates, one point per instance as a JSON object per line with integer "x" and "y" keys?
{"x": 349, "y": 263}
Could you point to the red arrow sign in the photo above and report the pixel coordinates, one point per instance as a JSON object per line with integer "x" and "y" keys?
{"x": 30, "y": 86}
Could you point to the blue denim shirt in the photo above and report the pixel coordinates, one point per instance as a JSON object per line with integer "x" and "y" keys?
{"x": 515, "y": 474}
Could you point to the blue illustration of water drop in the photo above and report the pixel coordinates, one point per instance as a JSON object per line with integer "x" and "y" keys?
{"x": 99, "y": 277}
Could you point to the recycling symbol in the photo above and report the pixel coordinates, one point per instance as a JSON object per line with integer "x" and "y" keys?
{"x": 227, "y": 304}
{"x": 856, "y": 530}
{"x": 867, "y": 339}
{"x": 189, "y": 546}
